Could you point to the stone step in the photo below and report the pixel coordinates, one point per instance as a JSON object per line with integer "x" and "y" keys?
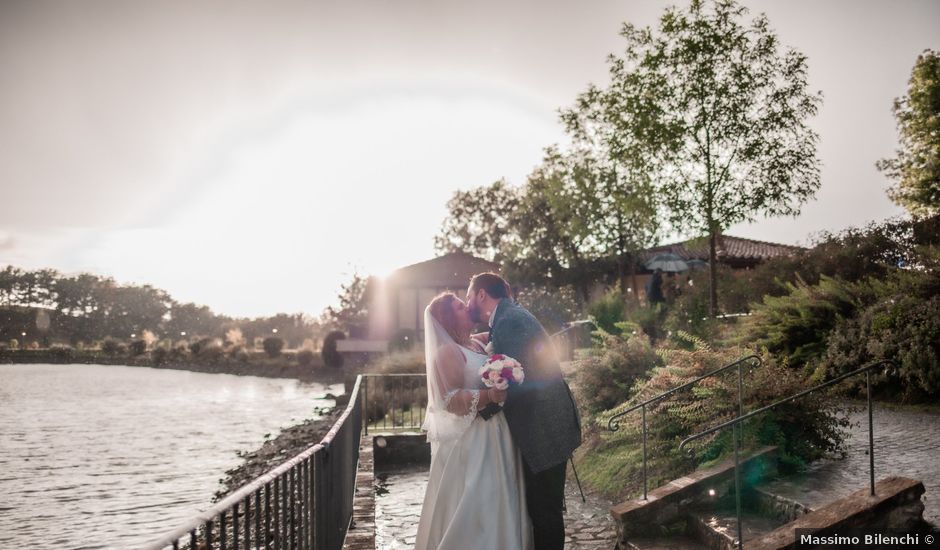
{"x": 719, "y": 528}
{"x": 673, "y": 502}
{"x": 673, "y": 542}
{"x": 896, "y": 505}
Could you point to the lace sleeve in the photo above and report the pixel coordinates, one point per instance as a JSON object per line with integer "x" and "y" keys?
{"x": 462, "y": 402}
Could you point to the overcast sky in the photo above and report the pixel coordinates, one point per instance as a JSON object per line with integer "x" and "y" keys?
{"x": 251, "y": 156}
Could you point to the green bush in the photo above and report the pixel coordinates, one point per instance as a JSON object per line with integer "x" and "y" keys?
{"x": 903, "y": 325}
{"x": 332, "y": 357}
{"x": 138, "y": 347}
{"x": 212, "y": 350}
{"x": 110, "y": 346}
{"x": 797, "y": 325}
{"x": 606, "y": 376}
{"x": 159, "y": 355}
{"x": 608, "y": 310}
{"x": 804, "y": 430}
{"x": 273, "y": 345}
{"x": 61, "y": 352}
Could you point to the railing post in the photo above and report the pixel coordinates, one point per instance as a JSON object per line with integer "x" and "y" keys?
{"x": 734, "y": 435}
{"x": 871, "y": 435}
{"x": 365, "y": 404}
{"x": 644, "y": 454}
{"x": 737, "y": 485}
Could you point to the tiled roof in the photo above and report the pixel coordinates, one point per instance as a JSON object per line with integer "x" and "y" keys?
{"x": 729, "y": 248}
{"x": 453, "y": 269}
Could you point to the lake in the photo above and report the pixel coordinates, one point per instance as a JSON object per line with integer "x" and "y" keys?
{"x": 95, "y": 456}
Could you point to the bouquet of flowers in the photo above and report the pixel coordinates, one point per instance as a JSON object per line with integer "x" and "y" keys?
{"x": 501, "y": 371}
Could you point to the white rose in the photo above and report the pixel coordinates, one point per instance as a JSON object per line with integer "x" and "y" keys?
{"x": 518, "y": 374}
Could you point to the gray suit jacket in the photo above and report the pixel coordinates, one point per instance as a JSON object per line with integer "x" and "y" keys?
{"x": 541, "y": 412}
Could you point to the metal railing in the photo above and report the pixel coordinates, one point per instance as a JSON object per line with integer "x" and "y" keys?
{"x": 613, "y": 423}
{"x": 742, "y": 417}
{"x": 393, "y": 401}
{"x": 305, "y": 503}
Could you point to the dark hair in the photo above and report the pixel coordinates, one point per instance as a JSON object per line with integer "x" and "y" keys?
{"x": 493, "y": 284}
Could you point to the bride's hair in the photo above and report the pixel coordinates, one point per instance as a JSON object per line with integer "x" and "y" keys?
{"x": 442, "y": 309}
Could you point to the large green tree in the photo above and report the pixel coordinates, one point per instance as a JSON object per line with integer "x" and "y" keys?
{"x": 722, "y": 110}
{"x": 481, "y": 221}
{"x": 916, "y": 166}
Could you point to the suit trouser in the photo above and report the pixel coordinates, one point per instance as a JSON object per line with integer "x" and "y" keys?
{"x": 545, "y": 498}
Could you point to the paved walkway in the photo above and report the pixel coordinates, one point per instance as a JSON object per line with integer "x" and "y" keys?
{"x": 398, "y": 506}
{"x": 907, "y": 443}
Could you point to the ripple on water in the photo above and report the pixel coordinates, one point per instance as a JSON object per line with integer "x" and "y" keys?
{"x": 113, "y": 456}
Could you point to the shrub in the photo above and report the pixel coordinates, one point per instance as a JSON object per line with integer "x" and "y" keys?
{"x": 159, "y": 355}
{"x": 138, "y": 347}
{"x": 606, "y": 376}
{"x": 111, "y": 346}
{"x": 198, "y": 346}
{"x": 608, "y": 310}
{"x": 273, "y": 345}
{"x": 240, "y": 354}
{"x": 305, "y": 357}
{"x": 332, "y": 357}
{"x": 902, "y": 325}
{"x": 61, "y": 352}
{"x": 804, "y": 430}
{"x": 180, "y": 351}
{"x": 798, "y": 324}
{"x": 14, "y": 343}
{"x": 211, "y": 349}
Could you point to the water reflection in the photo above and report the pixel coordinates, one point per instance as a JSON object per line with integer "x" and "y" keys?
{"x": 98, "y": 456}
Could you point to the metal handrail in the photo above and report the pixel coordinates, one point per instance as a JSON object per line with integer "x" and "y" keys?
{"x": 231, "y": 503}
{"x": 365, "y": 399}
{"x": 614, "y": 426}
{"x": 741, "y": 418}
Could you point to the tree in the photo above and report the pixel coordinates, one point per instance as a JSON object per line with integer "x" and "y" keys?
{"x": 722, "y": 114}
{"x": 916, "y": 168}
{"x": 613, "y": 169}
{"x": 480, "y": 221}
{"x": 553, "y": 243}
{"x": 352, "y": 313}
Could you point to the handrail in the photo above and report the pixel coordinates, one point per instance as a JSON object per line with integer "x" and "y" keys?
{"x": 257, "y": 484}
{"x": 739, "y": 364}
{"x": 740, "y": 418}
{"x": 365, "y": 397}
{"x": 612, "y": 426}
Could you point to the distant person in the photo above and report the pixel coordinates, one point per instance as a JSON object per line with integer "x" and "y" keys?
{"x": 654, "y": 288}
{"x": 671, "y": 288}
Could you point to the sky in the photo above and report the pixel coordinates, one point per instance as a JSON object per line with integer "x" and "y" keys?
{"x": 251, "y": 156}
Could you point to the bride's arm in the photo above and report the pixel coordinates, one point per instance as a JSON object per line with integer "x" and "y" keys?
{"x": 459, "y": 400}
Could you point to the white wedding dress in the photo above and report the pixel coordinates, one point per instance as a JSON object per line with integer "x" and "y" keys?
{"x": 475, "y": 497}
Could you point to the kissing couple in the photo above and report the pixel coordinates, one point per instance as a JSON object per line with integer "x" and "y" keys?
{"x": 498, "y": 454}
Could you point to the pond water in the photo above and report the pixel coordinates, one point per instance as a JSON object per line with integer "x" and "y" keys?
{"x": 95, "y": 456}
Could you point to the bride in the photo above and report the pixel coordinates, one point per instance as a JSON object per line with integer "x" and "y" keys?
{"x": 475, "y": 494}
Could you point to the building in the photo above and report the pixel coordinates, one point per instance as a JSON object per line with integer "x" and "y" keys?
{"x": 738, "y": 253}
{"x": 735, "y": 252}
{"x": 397, "y": 302}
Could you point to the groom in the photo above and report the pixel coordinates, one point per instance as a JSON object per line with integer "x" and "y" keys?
{"x": 541, "y": 413}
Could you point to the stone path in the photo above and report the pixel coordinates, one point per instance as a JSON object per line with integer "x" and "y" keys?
{"x": 400, "y": 494}
{"x": 907, "y": 443}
